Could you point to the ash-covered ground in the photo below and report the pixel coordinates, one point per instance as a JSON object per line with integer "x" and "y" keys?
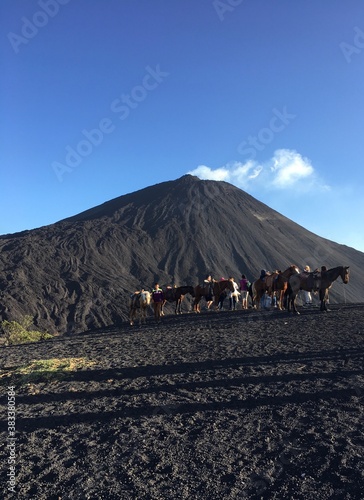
{"x": 229, "y": 405}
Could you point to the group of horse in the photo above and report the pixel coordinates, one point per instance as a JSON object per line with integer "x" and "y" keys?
{"x": 140, "y": 301}
{"x": 286, "y": 285}
{"x": 283, "y": 285}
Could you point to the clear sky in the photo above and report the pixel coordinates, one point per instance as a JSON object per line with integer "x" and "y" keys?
{"x": 102, "y": 98}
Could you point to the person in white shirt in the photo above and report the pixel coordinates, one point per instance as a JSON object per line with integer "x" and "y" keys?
{"x": 307, "y": 295}
{"x": 233, "y": 295}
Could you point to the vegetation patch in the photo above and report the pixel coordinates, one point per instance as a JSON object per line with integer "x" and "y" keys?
{"x": 21, "y": 332}
{"x": 44, "y": 370}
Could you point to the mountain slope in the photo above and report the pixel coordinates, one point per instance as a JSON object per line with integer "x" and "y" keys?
{"x": 77, "y": 274}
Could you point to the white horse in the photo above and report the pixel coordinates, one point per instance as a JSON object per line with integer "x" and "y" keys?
{"x": 140, "y": 301}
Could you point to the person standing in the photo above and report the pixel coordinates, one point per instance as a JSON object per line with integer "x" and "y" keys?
{"x": 263, "y": 274}
{"x": 158, "y": 299}
{"x": 307, "y": 295}
{"x": 244, "y": 290}
{"x": 209, "y": 290}
{"x": 233, "y": 295}
{"x": 222, "y": 297}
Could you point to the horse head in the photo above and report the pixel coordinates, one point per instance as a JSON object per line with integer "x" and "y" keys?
{"x": 345, "y": 274}
{"x": 294, "y": 269}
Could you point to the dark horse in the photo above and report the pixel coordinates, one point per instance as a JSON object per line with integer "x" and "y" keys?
{"x": 177, "y": 295}
{"x": 217, "y": 287}
{"x": 276, "y": 282}
{"x": 311, "y": 282}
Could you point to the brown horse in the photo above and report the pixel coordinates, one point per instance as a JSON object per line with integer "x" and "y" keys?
{"x": 177, "y": 295}
{"x": 312, "y": 282}
{"x": 139, "y": 302}
{"x": 280, "y": 285}
{"x": 274, "y": 282}
{"x": 217, "y": 288}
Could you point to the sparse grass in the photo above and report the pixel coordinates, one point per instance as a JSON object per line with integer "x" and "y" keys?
{"x": 21, "y": 333}
{"x": 43, "y": 370}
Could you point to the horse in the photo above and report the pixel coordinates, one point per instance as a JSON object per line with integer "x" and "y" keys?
{"x": 313, "y": 282}
{"x": 275, "y": 282}
{"x": 177, "y": 295}
{"x": 139, "y": 301}
{"x": 280, "y": 284}
{"x": 217, "y": 288}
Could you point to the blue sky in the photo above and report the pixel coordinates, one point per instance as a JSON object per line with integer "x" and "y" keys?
{"x": 102, "y": 98}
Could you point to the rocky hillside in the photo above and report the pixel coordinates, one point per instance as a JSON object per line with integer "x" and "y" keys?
{"x": 77, "y": 274}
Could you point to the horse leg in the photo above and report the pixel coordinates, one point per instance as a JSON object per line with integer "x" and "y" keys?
{"x": 179, "y": 305}
{"x": 294, "y": 307}
{"x": 177, "y": 309}
{"x": 280, "y": 299}
{"x": 258, "y": 299}
{"x": 291, "y": 301}
{"x": 131, "y": 317}
{"x": 252, "y": 300}
{"x": 322, "y": 305}
{"x": 282, "y": 293}
{"x": 323, "y": 299}
{"x": 142, "y": 315}
{"x": 286, "y": 297}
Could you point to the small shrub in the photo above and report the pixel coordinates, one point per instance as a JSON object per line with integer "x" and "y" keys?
{"x": 20, "y": 333}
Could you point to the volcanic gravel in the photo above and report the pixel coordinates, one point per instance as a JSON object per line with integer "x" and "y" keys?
{"x": 228, "y": 405}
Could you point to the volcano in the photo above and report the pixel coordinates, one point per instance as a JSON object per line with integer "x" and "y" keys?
{"x": 77, "y": 274}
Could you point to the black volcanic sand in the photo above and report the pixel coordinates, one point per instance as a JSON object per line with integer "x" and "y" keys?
{"x": 222, "y": 405}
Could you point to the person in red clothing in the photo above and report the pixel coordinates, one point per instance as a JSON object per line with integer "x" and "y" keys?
{"x": 244, "y": 290}
{"x": 158, "y": 299}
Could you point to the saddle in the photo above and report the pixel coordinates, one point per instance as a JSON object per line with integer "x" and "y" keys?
{"x": 269, "y": 279}
{"x": 311, "y": 280}
{"x": 207, "y": 288}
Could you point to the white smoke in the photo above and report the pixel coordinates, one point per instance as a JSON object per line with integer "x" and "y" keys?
{"x": 287, "y": 169}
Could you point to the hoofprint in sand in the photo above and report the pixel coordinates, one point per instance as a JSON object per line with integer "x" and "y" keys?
{"x": 233, "y": 405}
